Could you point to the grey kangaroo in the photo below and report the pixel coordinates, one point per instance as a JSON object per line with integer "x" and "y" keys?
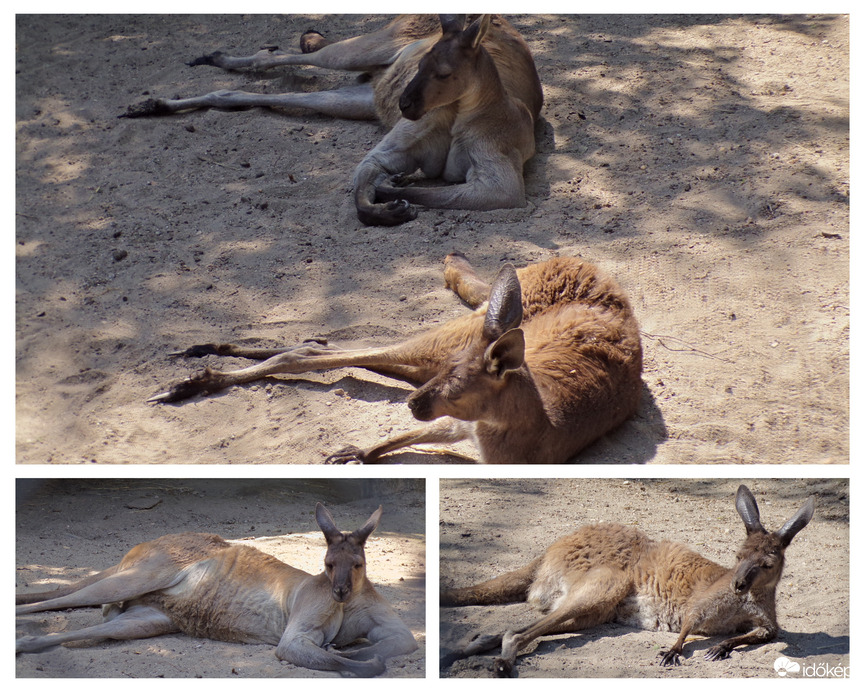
{"x": 204, "y": 586}
{"x": 549, "y": 361}
{"x": 612, "y": 573}
{"x": 461, "y": 102}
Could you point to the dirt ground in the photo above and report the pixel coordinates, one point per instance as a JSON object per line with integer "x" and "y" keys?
{"x": 67, "y": 529}
{"x": 489, "y": 527}
{"x": 702, "y": 160}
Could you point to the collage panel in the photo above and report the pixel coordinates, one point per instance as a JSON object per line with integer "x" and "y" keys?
{"x": 220, "y": 578}
{"x": 693, "y": 168}
{"x": 596, "y": 578}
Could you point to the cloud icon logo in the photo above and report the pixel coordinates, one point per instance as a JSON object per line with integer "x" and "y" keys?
{"x": 784, "y": 666}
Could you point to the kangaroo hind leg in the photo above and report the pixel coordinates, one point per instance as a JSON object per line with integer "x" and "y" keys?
{"x": 511, "y": 587}
{"x": 124, "y": 584}
{"x": 461, "y": 278}
{"x": 138, "y": 622}
{"x": 590, "y": 599}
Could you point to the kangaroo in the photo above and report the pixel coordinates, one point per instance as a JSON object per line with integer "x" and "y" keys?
{"x": 461, "y": 101}
{"x": 612, "y": 573}
{"x": 549, "y": 361}
{"x": 204, "y": 586}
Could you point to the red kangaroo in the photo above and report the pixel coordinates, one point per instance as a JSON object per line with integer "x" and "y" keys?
{"x": 462, "y": 102}
{"x": 612, "y": 573}
{"x": 549, "y": 361}
{"x": 204, "y": 586}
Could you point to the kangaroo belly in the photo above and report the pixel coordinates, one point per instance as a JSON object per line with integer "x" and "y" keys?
{"x": 238, "y": 596}
{"x": 647, "y": 612}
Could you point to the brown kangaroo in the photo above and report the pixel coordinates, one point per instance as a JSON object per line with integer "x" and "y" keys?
{"x": 549, "y": 361}
{"x": 461, "y": 101}
{"x": 613, "y": 573}
{"x": 204, "y": 586}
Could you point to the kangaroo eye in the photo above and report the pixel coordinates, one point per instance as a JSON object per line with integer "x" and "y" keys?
{"x": 444, "y": 75}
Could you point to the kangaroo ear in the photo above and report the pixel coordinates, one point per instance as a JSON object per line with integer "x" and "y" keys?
{"x": 505, "y": 353}
{"x": 364, "y": 531}
{"x": 473, "y": 36}
{"x": 505, "y": 309}
{"x": 452, "y": 23}
{"x": 798, "y": 522}
{"x": 326, "y": 523}
{"x": 746, "y": 505}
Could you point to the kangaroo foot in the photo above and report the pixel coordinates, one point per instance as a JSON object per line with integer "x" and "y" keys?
{"x": 503, "y": 668}
{"x": 31, "y": 645}
{"x": 311, "y": 41}
{"x": 347, "y": 455}
{"x": 456, "y": 264}
{"x": 392, "y": 213}
{"x": 147, "y": 108}
{"x": 204, "y": 382}
{"x": 198, "y": 351}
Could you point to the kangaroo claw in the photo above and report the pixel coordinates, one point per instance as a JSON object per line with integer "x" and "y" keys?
{"x": 201, "y": 383}
{"x": 669, "y": 658}
{"x": 716, "y": 653}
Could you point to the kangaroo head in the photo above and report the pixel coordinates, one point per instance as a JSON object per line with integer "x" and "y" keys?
{"x": 472, "y": 380}
{"x": 760, "y": 560}
{"x": 345, "y": 561}
{"x": 447, "y": 72}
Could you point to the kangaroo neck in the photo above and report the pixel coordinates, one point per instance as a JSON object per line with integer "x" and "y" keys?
{"x": 487, "y": 93}
{"x": 515, "y": 430}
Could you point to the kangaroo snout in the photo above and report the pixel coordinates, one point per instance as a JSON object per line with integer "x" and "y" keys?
{"x": 420, "y": 403}
{"x": 409, "y": 104}
{"x": 340, "y": 593}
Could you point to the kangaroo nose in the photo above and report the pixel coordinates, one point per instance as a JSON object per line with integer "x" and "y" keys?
{"x": 420, "y": 407}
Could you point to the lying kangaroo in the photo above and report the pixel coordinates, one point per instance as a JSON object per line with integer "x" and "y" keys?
{"x": 612, "y": 573}
{"x": 204, "y": 586}
{"x": 549, "y": 361}
{"x": 462, "y": 102}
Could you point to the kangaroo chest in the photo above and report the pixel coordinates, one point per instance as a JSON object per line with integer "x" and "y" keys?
{"x": 458, "y": 162}
{"x": 657, "y": 604}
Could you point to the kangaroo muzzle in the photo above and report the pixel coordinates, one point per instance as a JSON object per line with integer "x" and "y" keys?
{"x": 411, "y": 102}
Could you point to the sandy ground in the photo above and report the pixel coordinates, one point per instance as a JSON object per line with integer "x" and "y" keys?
{"x": 489, "y": 527}
{"x": 68, "y": 529}
{"x": 703, "y": 161}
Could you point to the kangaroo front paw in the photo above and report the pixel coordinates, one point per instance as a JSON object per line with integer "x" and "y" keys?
{"x": 716, "y": 653}
{"x": 669, "y": 658}
{"x": 347, "y": 455}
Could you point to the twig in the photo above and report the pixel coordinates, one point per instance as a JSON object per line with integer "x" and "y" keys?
{"x": 689, "y": 348}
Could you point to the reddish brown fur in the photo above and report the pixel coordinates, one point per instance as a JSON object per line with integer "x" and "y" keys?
{"x": 204, "y": 586}
{"x": 471, "y": 130}
{"x": 613, "y": 573}
{"x": 579, "y": 378}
